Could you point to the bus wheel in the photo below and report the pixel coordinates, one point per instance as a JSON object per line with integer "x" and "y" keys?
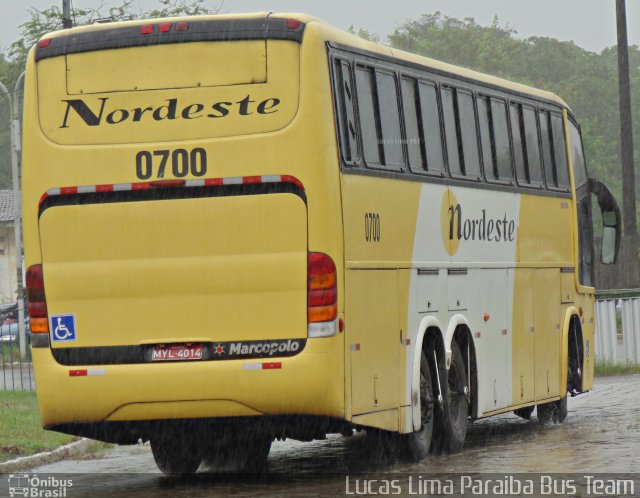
{"x": 238, "y": 451}
{"x": 452, "y": 424}
{"x": 554, "y": 411}
{"x": 174, "y": 455}
{"x": 256, "y": 453}
{"x": 525, "y": 412}
{"x": 419, "y": 442}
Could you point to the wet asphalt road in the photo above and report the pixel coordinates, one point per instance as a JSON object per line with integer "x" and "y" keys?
{"x": 601, "y": 434}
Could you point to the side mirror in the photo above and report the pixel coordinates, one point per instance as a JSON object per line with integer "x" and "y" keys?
{"x": 611, "y": 226}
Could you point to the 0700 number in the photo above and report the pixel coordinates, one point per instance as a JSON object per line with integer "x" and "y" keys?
{"x": 180, "y": 161}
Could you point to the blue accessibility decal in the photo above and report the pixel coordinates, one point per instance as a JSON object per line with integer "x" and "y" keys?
{"x": 63, "y": 328}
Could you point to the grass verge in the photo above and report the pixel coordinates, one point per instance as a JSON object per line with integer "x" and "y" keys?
{"x": 20, "y": 431}
{"x": 604, "y": 368}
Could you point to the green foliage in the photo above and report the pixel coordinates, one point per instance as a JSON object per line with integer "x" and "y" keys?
{"x": 605, "y": 369}
{"x": 364, "y": 34}
{"x": 586, "y": 80}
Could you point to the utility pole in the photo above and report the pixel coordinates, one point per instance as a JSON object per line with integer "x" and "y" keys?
{"x": 66, "y": 14}
{"x": 630, "y": 239}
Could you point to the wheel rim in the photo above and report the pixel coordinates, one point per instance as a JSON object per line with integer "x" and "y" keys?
{"x": 457, "y": 396}
{"x": 426, "y": 401}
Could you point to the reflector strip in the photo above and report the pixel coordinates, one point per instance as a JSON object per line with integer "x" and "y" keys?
{"x": 207, "y": 182}
{"x": 262, "y": 366}
{"x": 355, "y": 347}
{"x": 91, "y": 372}
{"x": 406, "y": 342}
{"x": 477, "y": 335}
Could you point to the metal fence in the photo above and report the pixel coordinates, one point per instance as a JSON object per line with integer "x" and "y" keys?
{"x": 16, "y": 370}
{"x": 618, "y": 326}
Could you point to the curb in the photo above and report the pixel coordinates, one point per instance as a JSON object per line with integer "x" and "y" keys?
{"x": 68, "y": 450}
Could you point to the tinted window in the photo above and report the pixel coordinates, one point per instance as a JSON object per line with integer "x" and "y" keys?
{"x": 486, "y": 139}
{"x": 546, "y": 140}
{"x": 560, "y": 151}
{"x": 415, "y": 142}
{"x": 368, "y": 116}
{"x": 579, "y": 166}
{"x": 518, "y": 151}
{"x": 346, "y": 117}
{"x": 431, "y": 129}
{"x": 390, "y": 119}
{"x": 467, "y": 117}
{"x": 449, "y": 115}
{"x": 494, "y": 135}
{"x": 532, "y": 146}
{"x": 501, "y": 139}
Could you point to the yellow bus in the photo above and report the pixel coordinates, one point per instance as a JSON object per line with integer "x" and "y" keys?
{"x": 247, "y": 227}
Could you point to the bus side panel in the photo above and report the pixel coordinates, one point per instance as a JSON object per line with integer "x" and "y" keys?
{"x": 379, "y": 229}
{"x": 544, "y": 248}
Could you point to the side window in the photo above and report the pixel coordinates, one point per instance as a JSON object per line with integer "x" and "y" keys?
{"x": 486, "y": 138}
{"x": 526, "y": 147}
{"x": 346, "y": 115}
{"x": 546, "y": 139}
{"x": 577, "y": 156}
{"x": 461, "y": 132}
{"x": 413, "y": 130}
{"x": 560, "y": 150}
{"x": 501, "y": 134}
{"x": 422, "y": 126}
{"x": 431, "y": 127}
{"x": 494, "y": 136}
{"x": 554, "y": 151}
{"x": 369, "y": 124}
{"x": 469, "y": 134}
{"x": 532, "y": 145}
{"x": 518, "y": 145}
{"x": 390, "y": 119}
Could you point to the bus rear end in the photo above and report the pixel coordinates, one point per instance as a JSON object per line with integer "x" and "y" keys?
{"x": 175, "y": 277}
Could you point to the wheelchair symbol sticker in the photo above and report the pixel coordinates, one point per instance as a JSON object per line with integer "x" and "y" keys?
{"x": 63, "y": 328}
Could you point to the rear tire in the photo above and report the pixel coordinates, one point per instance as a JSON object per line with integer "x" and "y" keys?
{"x": 419, "y": 442}
{"x": 238, "y": 451}
{"x": 451, "y": 421}
{"x": 525, "y": 412}
{"x": 554, "y": 411}
{"x": 175, "y": 454}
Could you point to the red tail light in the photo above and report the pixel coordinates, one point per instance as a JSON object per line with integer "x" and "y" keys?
{"x": 37, "y": 301}
{"x": 322, "y": 293}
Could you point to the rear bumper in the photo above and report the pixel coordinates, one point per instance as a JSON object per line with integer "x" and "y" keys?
{"x": 310, "y": 383}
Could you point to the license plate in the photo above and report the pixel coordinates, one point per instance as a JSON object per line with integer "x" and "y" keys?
{"x": 177, "y": 352}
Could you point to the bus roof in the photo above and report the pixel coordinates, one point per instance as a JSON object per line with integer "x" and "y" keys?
{"x": 337, "y": 36}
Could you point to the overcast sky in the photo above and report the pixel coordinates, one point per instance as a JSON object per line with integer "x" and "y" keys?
{"x": 589, "y": 23}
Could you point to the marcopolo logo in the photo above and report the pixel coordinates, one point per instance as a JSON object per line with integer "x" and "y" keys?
{"x": 264, "y": 348}
{"x": 103, "y": 110}
{"x": 237, "y": 350}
